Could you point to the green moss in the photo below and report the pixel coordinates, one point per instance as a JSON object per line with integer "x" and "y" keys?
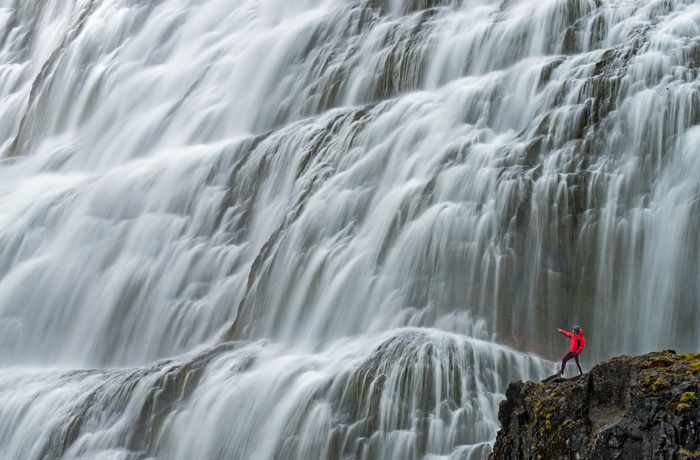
{"x": 688, "y": 396}
{"x": 657, "y": 362}
{"x": 548, "y": 422}
{"x": 685, "y": 454}
{"x": 682, "y": 407}
{"x": 538, "y": 406}
{"x": 694, "y": 358}
{"x": 653, "y": 383}
{"x": 659, "y": 384}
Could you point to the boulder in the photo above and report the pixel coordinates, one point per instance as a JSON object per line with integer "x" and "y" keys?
{"x": 643, "y": 407}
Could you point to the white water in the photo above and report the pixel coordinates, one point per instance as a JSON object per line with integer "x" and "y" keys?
{"x": 364, "y": 199}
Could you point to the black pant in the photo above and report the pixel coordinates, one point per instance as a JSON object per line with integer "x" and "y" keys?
{"x": 568, "y": 356}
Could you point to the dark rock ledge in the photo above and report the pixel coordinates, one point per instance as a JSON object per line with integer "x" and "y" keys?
{"x": 643, "y": 407}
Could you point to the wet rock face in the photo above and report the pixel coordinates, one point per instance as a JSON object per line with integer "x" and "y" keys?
{"x": 643, "y": 407}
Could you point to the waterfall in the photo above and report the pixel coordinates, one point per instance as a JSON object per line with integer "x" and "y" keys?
{"x": 286, "y": 229}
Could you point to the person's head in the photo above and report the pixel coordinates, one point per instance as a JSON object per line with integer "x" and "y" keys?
{"x": 577, "y": 330}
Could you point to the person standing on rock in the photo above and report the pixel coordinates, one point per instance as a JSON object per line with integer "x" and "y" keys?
{"x": 576, "y": 345}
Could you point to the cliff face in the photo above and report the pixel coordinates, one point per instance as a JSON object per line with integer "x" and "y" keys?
{"x": 643, "y": 407}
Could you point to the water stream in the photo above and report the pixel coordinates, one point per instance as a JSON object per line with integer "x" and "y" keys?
{"x": 281, "y": 229}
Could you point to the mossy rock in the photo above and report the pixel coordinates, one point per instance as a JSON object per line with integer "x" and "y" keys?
{"x": 662, "y": 361}
{"x": 683, "y": 454}
{"x": 682, "y": 407}
{"x": 616, "y": 410}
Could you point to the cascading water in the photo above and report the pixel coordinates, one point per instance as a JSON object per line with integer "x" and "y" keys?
{"x": 332, "y": 228}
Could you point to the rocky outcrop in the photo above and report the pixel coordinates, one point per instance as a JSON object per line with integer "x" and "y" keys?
{"x": 643, "y": 407}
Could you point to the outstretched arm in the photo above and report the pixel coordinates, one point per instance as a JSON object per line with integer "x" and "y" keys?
{"x": 566, "y": 333}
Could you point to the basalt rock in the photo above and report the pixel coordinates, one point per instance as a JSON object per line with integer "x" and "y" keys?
{"x": 643, "y": 407}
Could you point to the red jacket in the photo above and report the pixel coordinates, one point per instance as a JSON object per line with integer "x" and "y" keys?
{"x": 577, "y": 341}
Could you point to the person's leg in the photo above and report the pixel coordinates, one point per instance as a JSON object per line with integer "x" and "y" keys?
{"x": 567, "y": 357}
{"x": 578, "y": 364}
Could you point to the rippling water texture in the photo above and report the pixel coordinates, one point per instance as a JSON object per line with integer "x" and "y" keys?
{"x": 296, "y": 229}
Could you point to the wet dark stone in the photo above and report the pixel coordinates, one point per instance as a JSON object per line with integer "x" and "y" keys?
{"x": 643, "y": 407}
